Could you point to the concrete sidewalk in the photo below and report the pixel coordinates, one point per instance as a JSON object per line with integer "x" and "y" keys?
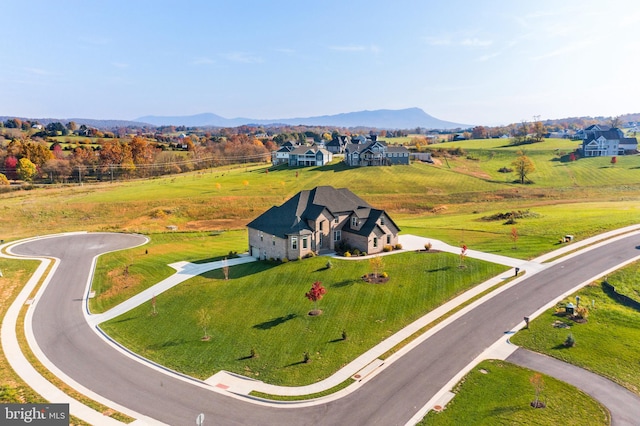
{"x": 184, "y": 272}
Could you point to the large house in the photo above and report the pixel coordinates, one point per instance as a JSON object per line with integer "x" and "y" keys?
{"x": 375, "y": 153}
{"x": 309, "y": 156}
{"x": 317, "y": 220}
{"x": 600, "y": 141}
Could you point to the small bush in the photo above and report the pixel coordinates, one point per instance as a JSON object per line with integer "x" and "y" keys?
{"x": 307, "y": 358}
{"x": 384, "y": 275}
{"x": 505, "y": 170}
{"x": 285, "y": 260}
{"x": 387, "y": 248}
{"x": 398, "y": 246}
{"x": 329, "y": 265}
{"x": 428, "y": 246}
{"x": 347, "y": 254}
{"x": 364, "y": 253}
{"x": 356, "y": 252}
{"x": 569, "y": 341}
{"x": 344, "y": 334}
{"x": 309, "y": 255}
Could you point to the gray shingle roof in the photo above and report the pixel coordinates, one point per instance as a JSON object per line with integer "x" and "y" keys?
{"x": 294, "y": 215}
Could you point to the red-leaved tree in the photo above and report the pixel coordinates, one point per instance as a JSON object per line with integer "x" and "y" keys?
{"x": 315, "y": 293}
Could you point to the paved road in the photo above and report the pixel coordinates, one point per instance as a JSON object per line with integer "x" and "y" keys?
{"x": 390, "y": 398}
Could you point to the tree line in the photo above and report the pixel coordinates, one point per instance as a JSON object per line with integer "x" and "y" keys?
{"x": 33, "y": 160}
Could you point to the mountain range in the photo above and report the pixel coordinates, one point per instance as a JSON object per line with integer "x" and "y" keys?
{"x": 408, "y": 118}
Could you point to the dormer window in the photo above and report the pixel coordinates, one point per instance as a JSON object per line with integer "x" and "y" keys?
{"x": 354, "y": 222}
{"x": 382, "y": 220}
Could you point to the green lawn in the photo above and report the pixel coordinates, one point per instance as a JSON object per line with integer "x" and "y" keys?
{"x": 500, "y": 393}
{"x": 147, "y": 265}
{"x": 263, "y": 307}
{"x": 607, "y": 344}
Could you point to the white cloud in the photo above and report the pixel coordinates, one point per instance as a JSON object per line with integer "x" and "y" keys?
{"x": 202, "y": 61}
{"x": 474, "y": 42}
{"x": 356, "y": 48}
{"x": 37, "y": 71}
{"x": 243, "y": 57}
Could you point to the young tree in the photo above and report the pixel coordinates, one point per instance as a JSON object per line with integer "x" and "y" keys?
{"x": 514, "y": 237}
{"x": 463, "y": 254}
{"x": 614, "y": 160}
{"x": 538, "y": 385}
{"x": 377, "y": 264}
{"x": 316, "y": 293}
{"x": 522, "y": 167}
{"x": 154, "y": 311}
{"x": 203, "y": 318}
{"x": 225, "y": 268}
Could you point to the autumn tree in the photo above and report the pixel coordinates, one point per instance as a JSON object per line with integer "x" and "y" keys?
{"x": 26, "y": 170}
{"x": 514, "y": 237}
{"x": 479, "y": 132}
{"x": 316, "y": 293}
{"x": 538, "y": 385}
{"x": 614, "y": 160}
{"x": 377, "y": 264}
{"x": 522, "y": 167}
{"x": 3, "y": 180}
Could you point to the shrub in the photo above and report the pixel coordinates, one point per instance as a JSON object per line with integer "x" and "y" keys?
{"x": 569, "y": 341}
{"x": 387, "y": 248}
{"x": 310, "y": 254}
{"x": 356, "y": 252}
{"x": 384, "y": 275}
{"x": 505, "y": 170}
{"x": 329, "y": 264}
{"x": 344, "y": 334}
{"x": 364, "y": 253}
{"x": 398, "y": 246}
{"x": 307, "y": 358}
{"x": 428, "y": 246}
{"x": 347, "y": 254}
{"x": 284, "y": 260}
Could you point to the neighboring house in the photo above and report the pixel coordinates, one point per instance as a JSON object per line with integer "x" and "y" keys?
{"x": 337, "y": 144}
{"x": 304, "y": 156}
{"x": 597, "y": 142}
{"x": 281, "y": 156}
{"x": 375, "y": 153}
{"x": 316, "y": 221}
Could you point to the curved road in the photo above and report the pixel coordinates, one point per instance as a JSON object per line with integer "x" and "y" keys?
{"x": 390, "y": 398}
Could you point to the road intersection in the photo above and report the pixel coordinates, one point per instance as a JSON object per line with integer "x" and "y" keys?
{"x": 396, "y": 392}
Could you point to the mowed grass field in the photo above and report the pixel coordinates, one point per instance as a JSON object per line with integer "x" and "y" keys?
{"x": 499, "y": 393}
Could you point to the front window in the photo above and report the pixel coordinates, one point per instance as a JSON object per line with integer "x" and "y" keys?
{"x": 294, "y": 243}
{"x": 337, "y": 235}
{"x": 304, "y": 243}
{"x": 388, "y": 239}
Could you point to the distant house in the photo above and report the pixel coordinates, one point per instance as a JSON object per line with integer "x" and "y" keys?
{"x": 304, "y": 156}
{"x": 337, "y": 144}
{"x": 281, "y": 155}
{"x": 317, "y": 220}
{"x": 375, "y": 153}
{"x": 599, "y": 142}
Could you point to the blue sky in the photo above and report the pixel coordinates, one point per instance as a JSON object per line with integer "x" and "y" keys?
{"x": 480, "y": 62}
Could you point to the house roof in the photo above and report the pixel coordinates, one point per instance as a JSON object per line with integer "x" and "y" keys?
{"x": 294, "y": 215}
{"x": 355, "y": 147}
